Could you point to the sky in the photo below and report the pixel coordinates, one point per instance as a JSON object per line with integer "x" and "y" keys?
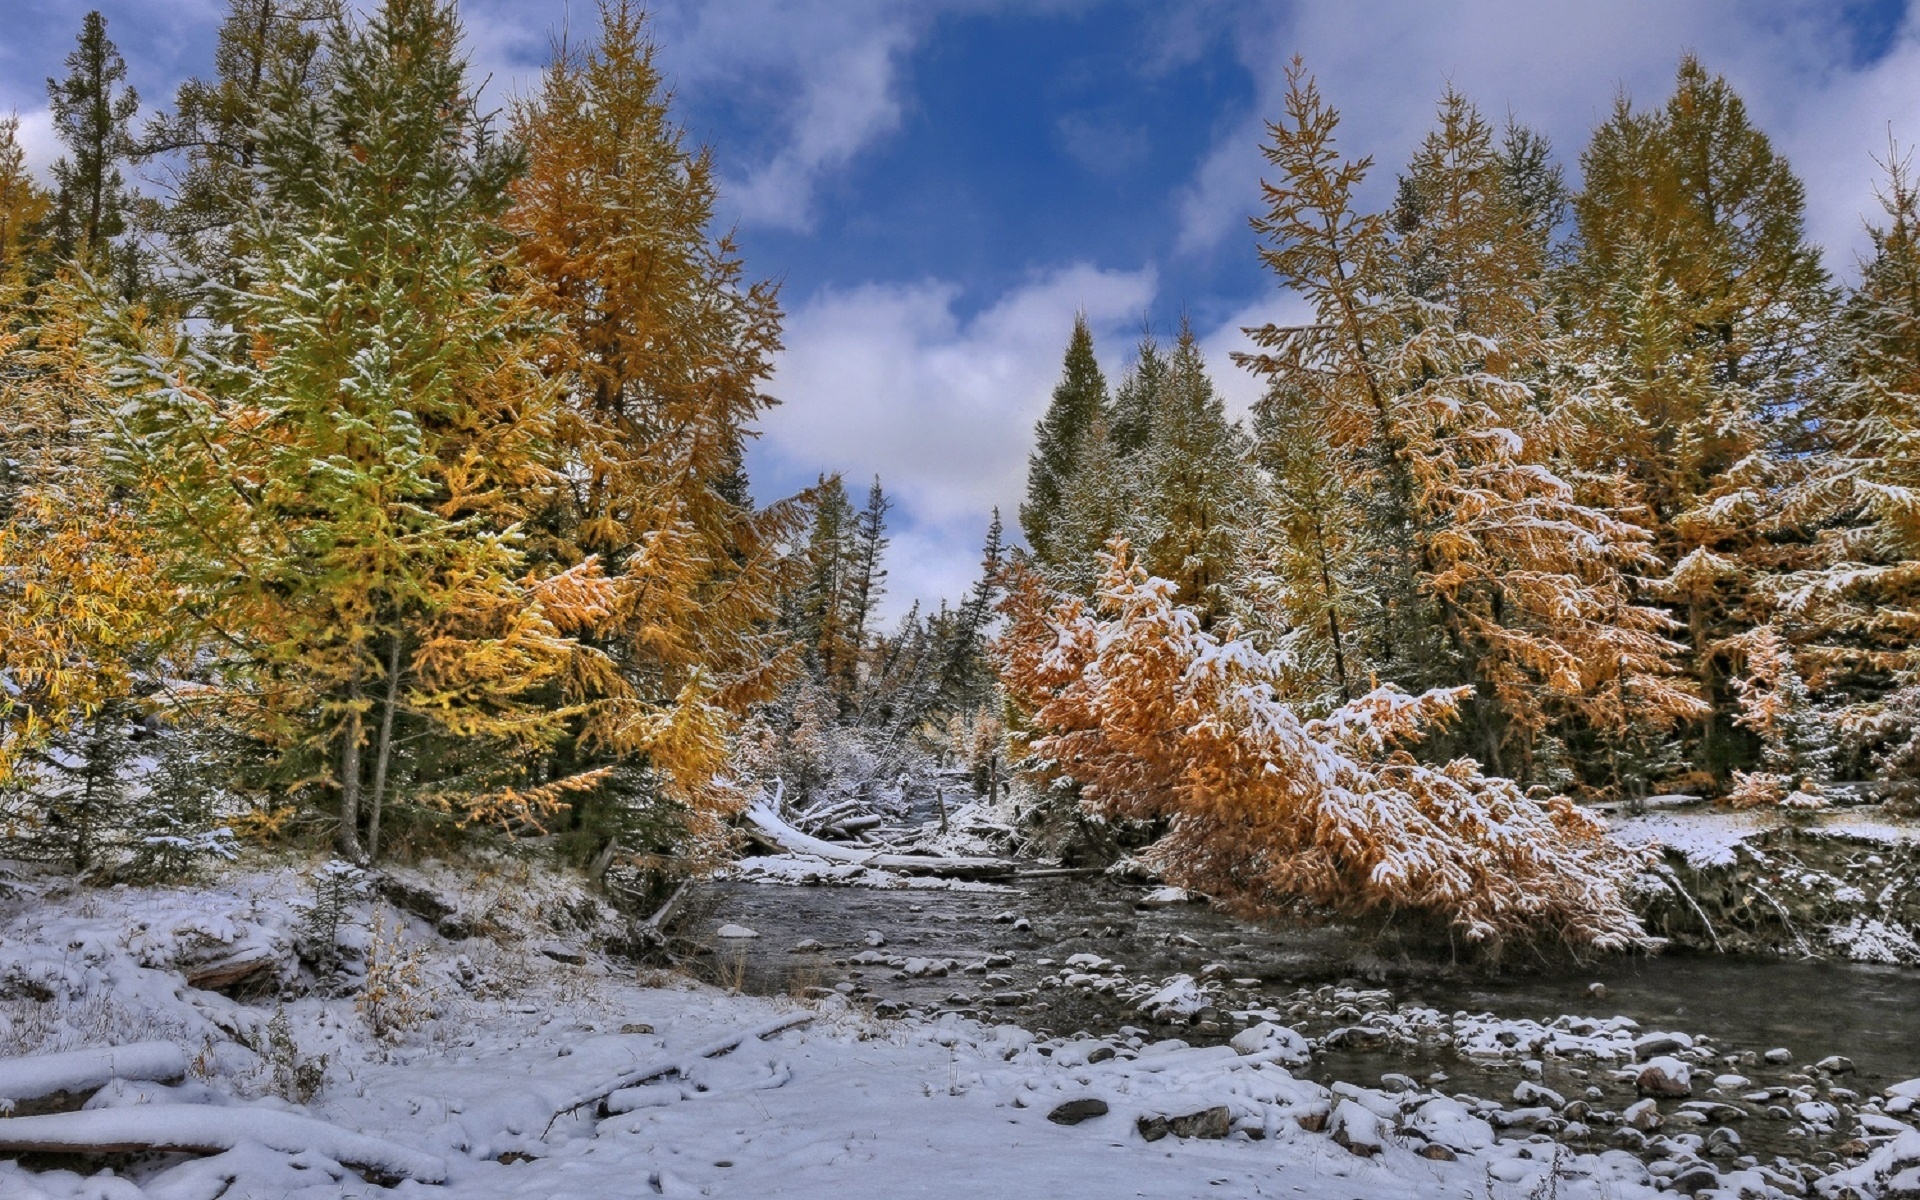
{"x": 940, "y": 185}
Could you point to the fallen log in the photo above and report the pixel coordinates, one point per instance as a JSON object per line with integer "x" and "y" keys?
{"x": 768, "y": 825}
{"x": 204, "y": 1129}
{"x": 77, "y": 1073}
{"x": 220, "y": 974}
{"x": 677, "y": 1065}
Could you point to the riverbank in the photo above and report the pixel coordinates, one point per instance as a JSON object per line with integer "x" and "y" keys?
{"x": 474, "y": 1034}
{"x": 1841, "y": 884}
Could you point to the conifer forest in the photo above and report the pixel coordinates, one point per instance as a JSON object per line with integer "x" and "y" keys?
{"x": 1465, "y": 735}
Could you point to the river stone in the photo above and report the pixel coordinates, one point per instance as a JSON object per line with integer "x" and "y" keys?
{"x": 1835, "y": 1064}
{"x": 1779, "y": 1056}
{"x": 1664, "y": 1076}
{"x": 1696, "y": 1178}
{"x": 1528, "y": 1092}
{"x": 1075, "y": 1111}
{"x": 1437, "y": 1152}
{"x": 1357, "y": 1128}
{"x": 1215, "y": 1122}
{"x": 808, "y": 946}
{"x": 1642, "y": 1115}
{"x": 1653, "y": 1045}
{"x": 735, "y": 931}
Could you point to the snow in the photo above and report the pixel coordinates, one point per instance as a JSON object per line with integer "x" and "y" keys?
{"x": 84, "y": 1070}
{"x": 530, "y": 1077}
{"x": 204, "y": 1127}
{"x": 806, "y": 870}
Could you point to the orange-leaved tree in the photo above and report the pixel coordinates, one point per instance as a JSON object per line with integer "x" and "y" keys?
{"x": 1268, "y": 811}
{"x": 662, "y": 347}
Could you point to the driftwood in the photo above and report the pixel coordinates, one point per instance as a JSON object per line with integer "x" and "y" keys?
{"x": 765, "y": 825}
{"x": 203, "y": 1129}
{"x": 598, "y": 1093}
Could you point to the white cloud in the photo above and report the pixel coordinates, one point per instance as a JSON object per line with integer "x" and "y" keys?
{"x": 829, "y": 71}
{"x": 38, "y": 140}
{"x": 894, "y": 380}
{"x": 1557, "y": 67}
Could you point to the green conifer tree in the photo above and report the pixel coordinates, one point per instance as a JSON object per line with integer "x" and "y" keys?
{"x": 1080, "y": 394}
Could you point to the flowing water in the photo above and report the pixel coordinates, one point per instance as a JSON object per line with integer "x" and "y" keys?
{"x": 1007, "y": 949}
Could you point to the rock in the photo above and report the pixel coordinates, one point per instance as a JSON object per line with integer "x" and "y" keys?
{"x": 1664, "y": 1076}
{"x": 561, "y": 952}
{"x": 1654, "y": 1044}
{"x": 1022, "y": 925}
{"x": 1163, "y": 897}
{"x": 1530, "y": 1093}
{"x": 1817, "y": 1112}
{"x": 413, "y": 893}
{"x": 636, "y": 1027}
{"x": 1696, "y": 1178}
{"x": 1436, "y": 1152}
{"x": 1835, "y": 1064}
{"x": 1643, "y": 1115}
{"x": 734, "y": 931}
{"x": 1179, "y": 998}
{"x": 1356, "y": 1037}
{"x": 1359, "y": 1129}
{"x": 875, "y": 938}
{"x": 1444, "y": 1121}
{"x": 1215, "y": 1122}
{"x": 809, "y": 946}
{"x": 1779, "y": 1056}
{"x": 1075, "y": 1111}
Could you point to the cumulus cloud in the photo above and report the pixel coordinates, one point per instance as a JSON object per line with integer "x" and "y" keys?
{"x": 829, "y": 74}
{"x": 1558, "y": 67}
{"x": 895, "y": 379}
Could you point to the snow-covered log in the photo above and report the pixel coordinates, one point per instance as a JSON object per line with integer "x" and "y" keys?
{"x": 772, "y": 827}
{"x": 677, "y": 1065}
{"x": 78, "y": 1071}
{"x": 203, "y": 1129}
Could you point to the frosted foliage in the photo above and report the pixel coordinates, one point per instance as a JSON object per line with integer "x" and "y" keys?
{"x": 1797, "y": 744}
{"x": 1157, "y": 718}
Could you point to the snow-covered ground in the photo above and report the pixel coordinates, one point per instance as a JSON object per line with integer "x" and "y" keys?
{"x": 506, "y": 1072}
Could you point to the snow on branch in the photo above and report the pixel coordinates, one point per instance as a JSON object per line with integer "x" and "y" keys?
{"x": 1157, "y": 718}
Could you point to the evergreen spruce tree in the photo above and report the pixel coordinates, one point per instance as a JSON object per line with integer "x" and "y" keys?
{"x": 1192, "y": 486}
{"x": 92, "y": 114}
{"x": 1077, "y": 398}
{"x": 966, "y": 674}
{"x": 210, "y": 141}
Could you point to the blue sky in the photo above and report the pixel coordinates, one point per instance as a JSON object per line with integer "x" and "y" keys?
{"x": 941, "y": 184}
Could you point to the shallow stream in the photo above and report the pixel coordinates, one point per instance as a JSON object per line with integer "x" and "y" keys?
{"x": 1006, "y": 952}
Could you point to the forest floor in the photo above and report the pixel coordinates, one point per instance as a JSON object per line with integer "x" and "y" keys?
{"x": 498, "y": 1052}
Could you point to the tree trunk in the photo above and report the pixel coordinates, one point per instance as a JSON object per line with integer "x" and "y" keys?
{"x": 348, "y": 838}
{"x": 383, "y": 752}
